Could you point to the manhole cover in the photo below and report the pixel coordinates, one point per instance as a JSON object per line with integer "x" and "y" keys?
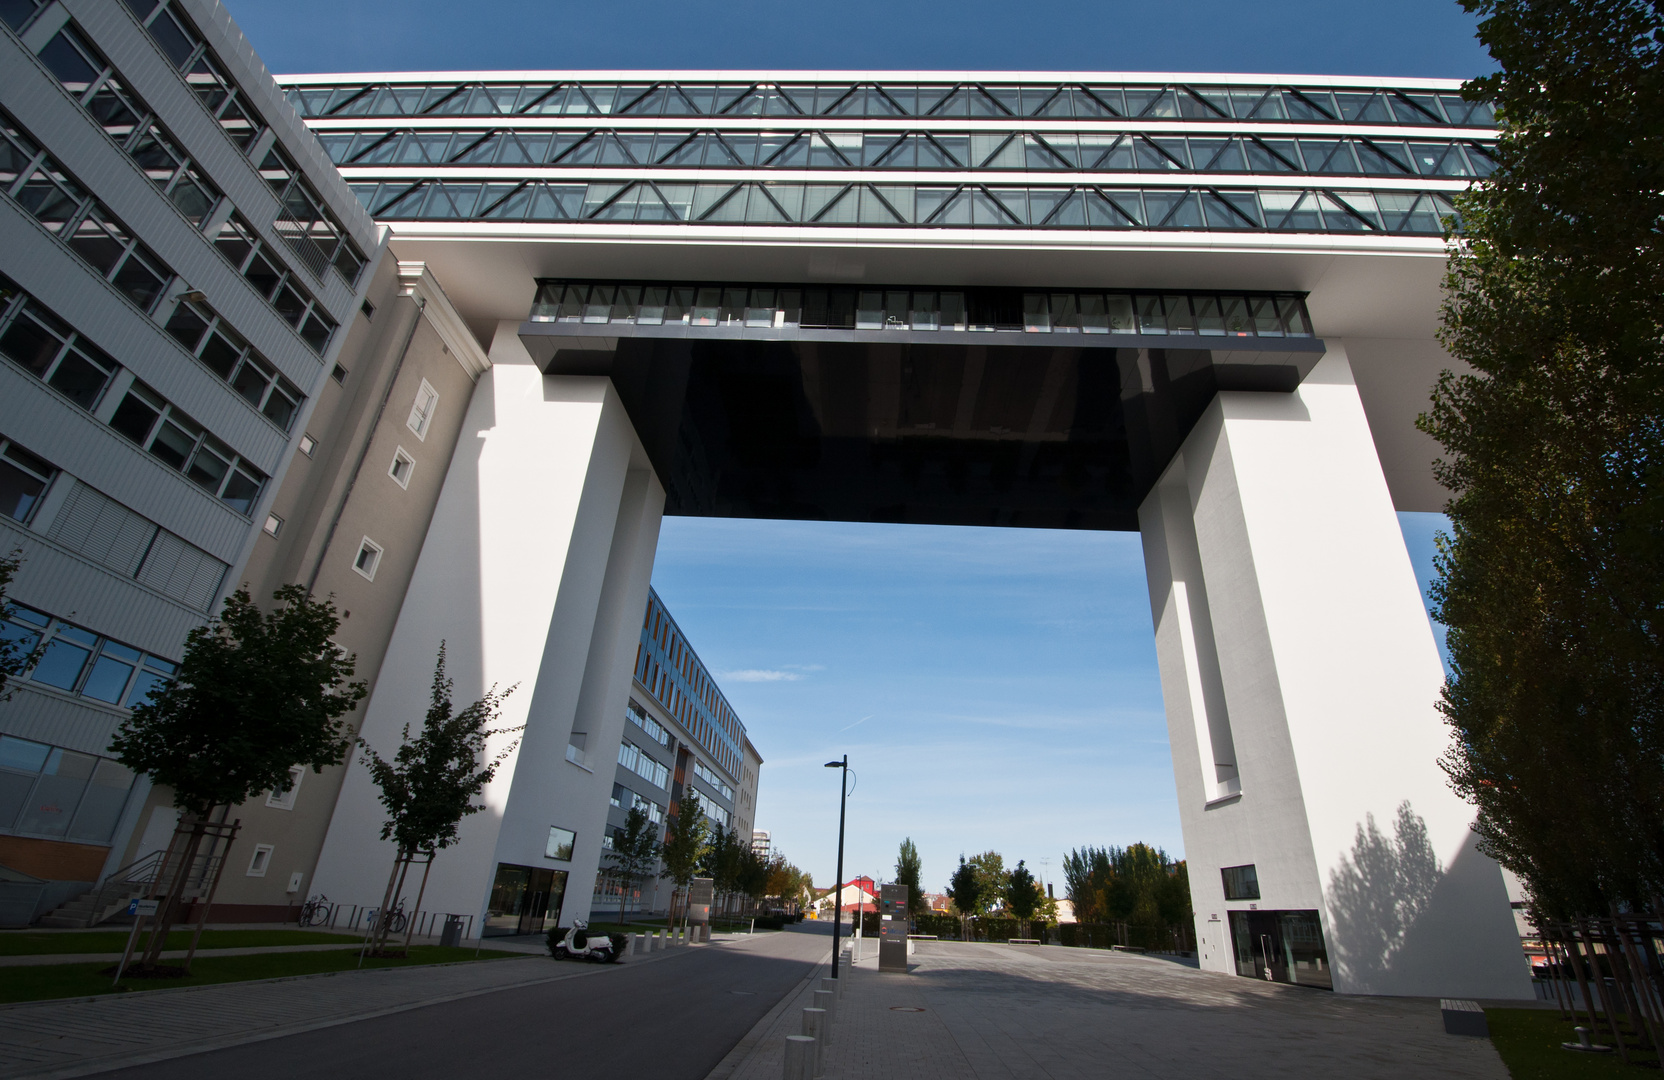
{"x": 905, "y": 1008}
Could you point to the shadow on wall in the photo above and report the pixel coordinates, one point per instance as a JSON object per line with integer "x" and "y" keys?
{"x": 1376, "y": 897}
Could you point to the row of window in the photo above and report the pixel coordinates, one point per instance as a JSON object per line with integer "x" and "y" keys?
{"x": 36, "y": 182}
{"x": 636, "y": 759}
{"x": 717, "y": 783}
{"x": 935, "y": 150}
{"x": 889, "y": 205}
{"x": 209, "y": 338}
{"x": 1308, "y": 104}
{"x": 649, "y": 726}
{"x": 125, "y": 118}
{"x": 625, "y": 799}
{"x": 78, "y": 661}
{"x": 52, "y": 792}
{"x": 24, "y": 479}
{"x": 823, "y": 307}
{"x": 314, "y": 233}
{"x": 667, "y": 665}
{"x": 49, "y": 349}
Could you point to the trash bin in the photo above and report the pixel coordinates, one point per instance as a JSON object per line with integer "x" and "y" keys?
{"x": 451, "y": 936}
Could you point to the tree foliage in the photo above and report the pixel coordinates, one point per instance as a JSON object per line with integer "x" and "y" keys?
{"x": 1136, "y": 884}
{"x": 992, "y": 879}
{"x": 966, "y": 889}
{"x": 910, "y": 872}
{"x": 257, "y": 694}
{"x": 685, "y": 842}
{"x": 18, "y": 650}
{"x": 634, "y": 854}
{"x": 1022, "y": 895}
{"x": 1552, "y": 576}
{"x": 433, "y": 779}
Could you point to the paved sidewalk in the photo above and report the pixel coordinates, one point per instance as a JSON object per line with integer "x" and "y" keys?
{"x": 81, "y": 1036}
{"x": 44, "y": 959}
{"x": 995, "y": 1012}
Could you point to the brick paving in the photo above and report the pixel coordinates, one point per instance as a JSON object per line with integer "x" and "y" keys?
{"x": 1000, "y": 1012}
{"x": 46, "y": 1040}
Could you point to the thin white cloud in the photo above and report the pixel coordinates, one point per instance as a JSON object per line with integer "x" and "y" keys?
{"x": 857, "y": 723}
{"x": 759, "y": 675}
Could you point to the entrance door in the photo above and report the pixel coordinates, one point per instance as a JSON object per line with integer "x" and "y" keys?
{"x": 1281, "y": 946}
{"x": 545, "y": 893}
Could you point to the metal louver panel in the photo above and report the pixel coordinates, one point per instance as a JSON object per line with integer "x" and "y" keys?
{"x": 103, "y": 530}
{"x": 182, "y": 571}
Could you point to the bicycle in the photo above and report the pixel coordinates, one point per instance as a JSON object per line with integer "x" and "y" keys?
{"x": 394, "y": 921}
{"x": 316, "y": 911}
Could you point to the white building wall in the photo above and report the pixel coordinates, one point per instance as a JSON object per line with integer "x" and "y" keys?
{"x": 533, "y": 572}
{"x": 1292, "y": 637}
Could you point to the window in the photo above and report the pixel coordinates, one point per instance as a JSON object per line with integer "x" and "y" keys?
{"x": 223, "y": 351}
{"x": 625, "y": 799}
{"x": 575, "y": 749}
{"x": 308, "y": 444}
{"x": 559, "y": 845}
{"x": 53, "y": 792}
{"x": 50, "y": 350}
{"x": 24, "y": 478}
{"x": 1241, "y": 882}
{"x": 401, "y": 469}
{"x": 45, "y": 190}
{"x": 179, "y": 41}
{"x": 181, "y": 443}
{"x": 339, "y": 374}
{"x": 368, "y": 309}
{"x": 421, "y": 413}
{"x": 244, "y": 249}
{"x": 367, "y": 559}
{"x": 273, "y": 525}
{"x": 261, "y": 860}
{"x": 647, "y": 724}
{"x": 635, "y": 759}
{"x": 78, "y": 661}
{"x": 712, "y": 779}
{"x": 285, "y": 799}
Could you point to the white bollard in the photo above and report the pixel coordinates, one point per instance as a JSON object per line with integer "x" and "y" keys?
{"x": 814, "y": 1026}
{"x": 834, "y": 985}
{"x": 655, "y": 942}
{"x": 828, "y": 1001}
{"x": 800, "y": 1058}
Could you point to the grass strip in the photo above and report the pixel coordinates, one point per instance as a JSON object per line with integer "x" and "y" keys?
{"x": 1529, "y": 1042}
{"x": 34, "y": 943}
{"x": 46, "y": 981}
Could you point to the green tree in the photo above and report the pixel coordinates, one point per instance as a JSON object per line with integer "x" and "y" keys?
{"x": 684, "y": 846}
{"x": 257, "y": 694}
{"x": 909, "y": 872}
{"x": 992, "y": 879}
{"x": 1551, "y": 579}
{"x": 1022, "y": 896}
{"x": 1086, "y": 874}
{"x": 966, "y": 889}
{"x": 19, "y": 646}
{"x": 432, "y": 781}
{"x": 634, "y": 854}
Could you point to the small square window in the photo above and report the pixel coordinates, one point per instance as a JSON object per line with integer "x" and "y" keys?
{"x": 368, "y": 558}
{"x": 285, "y": 799}
{"x": 273, "y": 525}
{"x": 308, "y": 444}
{"x": 339, "y": 374}
{"x": 421, "y": 413}
{"x": 368, "y": 309}
{"x": 560, "y": 844}
{"x": 261, "y": 861}
{"x": 403, "y": 465}
{"x": 1241, "y": 882}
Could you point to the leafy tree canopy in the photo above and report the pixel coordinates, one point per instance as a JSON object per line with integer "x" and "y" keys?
{"x": 966, "y": 889}
{"x": 257, "y": 694}
{"x": 18, "y": 650}
{"x": 909, "y": 872}
{"x": 1022, "y": 893}
{"x": 1552, "y": 576}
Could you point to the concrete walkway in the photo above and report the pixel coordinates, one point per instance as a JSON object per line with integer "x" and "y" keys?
{"x": 81, "y": 1036}
{"x": 998, "y": 1012}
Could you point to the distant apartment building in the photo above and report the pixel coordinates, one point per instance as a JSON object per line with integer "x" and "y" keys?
{"x": 180, "y": 270}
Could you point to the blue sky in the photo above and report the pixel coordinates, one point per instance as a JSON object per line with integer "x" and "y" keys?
{"x": 993, "y": 688}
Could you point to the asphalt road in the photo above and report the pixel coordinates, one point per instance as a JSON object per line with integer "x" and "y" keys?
{"x": 669, "y": 1020}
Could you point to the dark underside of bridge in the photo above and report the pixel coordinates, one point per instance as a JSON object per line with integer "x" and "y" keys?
{"x": 942, "y": 428}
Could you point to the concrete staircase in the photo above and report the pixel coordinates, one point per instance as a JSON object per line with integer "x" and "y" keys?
{"x": 91, "y": 908}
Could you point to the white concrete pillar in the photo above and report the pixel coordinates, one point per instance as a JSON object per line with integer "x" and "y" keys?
{"x": 1300, "y": 677}
{"x": 535, "y": 573}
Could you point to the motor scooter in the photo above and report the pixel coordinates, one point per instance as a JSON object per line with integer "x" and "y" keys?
{"x": 577, "y": 943}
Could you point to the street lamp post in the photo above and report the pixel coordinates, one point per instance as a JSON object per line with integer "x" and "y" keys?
{"x": 838, "y": 885}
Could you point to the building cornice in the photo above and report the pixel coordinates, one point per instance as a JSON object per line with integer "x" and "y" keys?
{"x": 417, "y": 281}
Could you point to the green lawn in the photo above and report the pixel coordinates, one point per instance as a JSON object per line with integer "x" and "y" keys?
{"x": 34, "y": 943}
{"x": 1529, "y": 1042}
{"x": 79, "y": 980}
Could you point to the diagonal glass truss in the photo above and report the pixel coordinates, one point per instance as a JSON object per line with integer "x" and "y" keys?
{"x": 926, "y": 151}
{"x": 884, "y": 100}
{"x": 979, "y": 206}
